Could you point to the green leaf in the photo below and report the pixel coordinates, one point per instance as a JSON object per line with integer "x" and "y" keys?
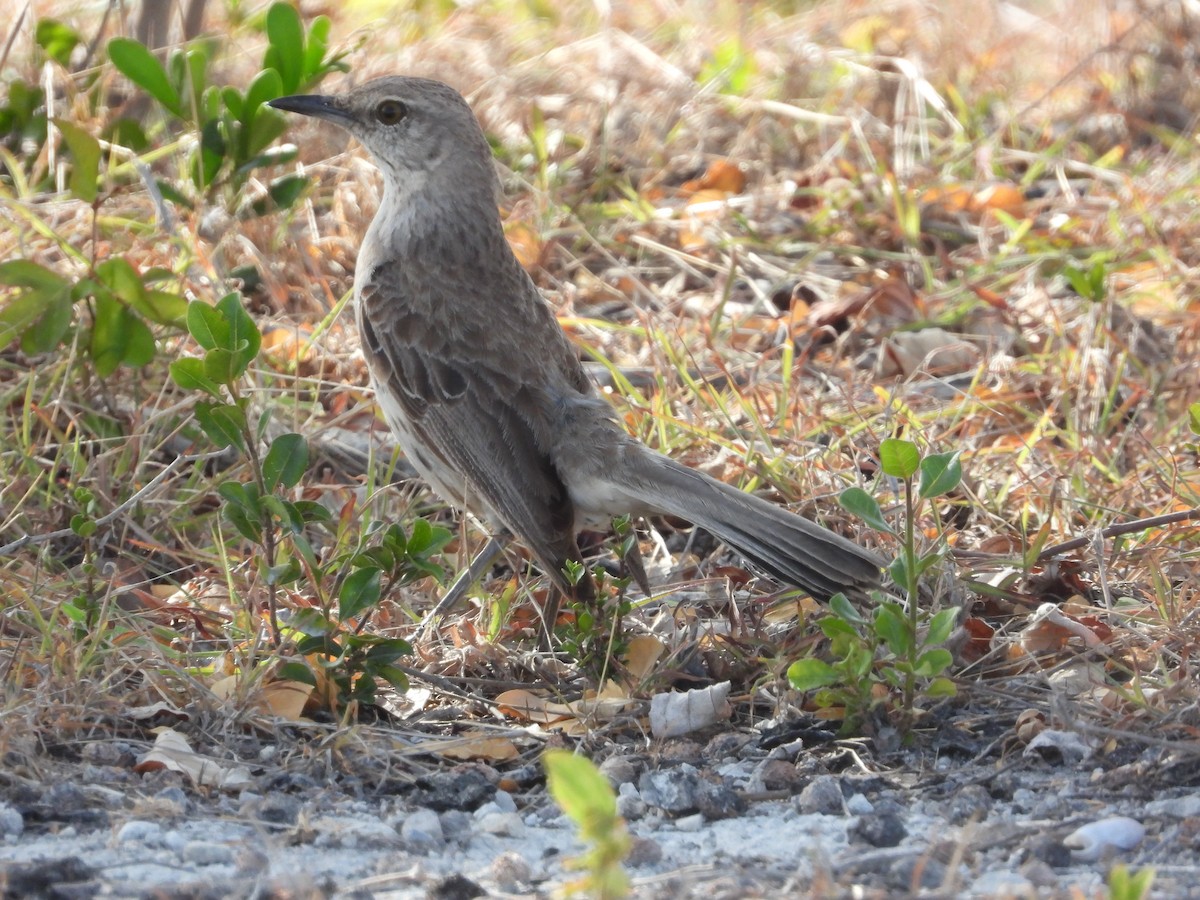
{"x": 581, "y": 792}
{"x": 941, "y": 625}
{"x": 941, "y": 687}
{"x": 50, "y": 330}
{"x": 266, "y": 127}
{"x": 314, "y": 53}
{"x": 1193, "y": 416}
{"x": 940, "y": 474}
{"x": 26, "y": 274}
{"x": 208, "y": 326}
{"x": 899, "y": 458}
{"x": 265, "y": 86}
{"x": 296, "y": 671}
{"x": 84, "y": 526}
{"x": 118, "y": 336}
{"x": 163, "y": 307}
{"x": 311, "y": 622}
{"x": 188, "y": 373}
{"x": 387, "y": 650}
{"x": 311, "y": 511}
{"x": 844, "y": 609}
{"x": 244, "y": 339}
{"x": 833, "y": 627}
{"x": 57, "y": 40}
{"x": 898, "y": 571}
{"x": 810, "y": 674}
{"x": 223, "y": 366}
{"x": 17, "y": 317}
{"x": 286, "y": 35}
{"x": 224, "y": 424}
{"x": 392, "y": 675}
{"x": 84, "y": 180}
{"x": 861, "y": 504}
{"x": 142, "y": 67}
{"x": 361, "y": 590}
{"x": 286, "y": 461}
{"x": 892, "y": 627}
{"x": 284, "y": 573}
{"x": 934, "y": 662}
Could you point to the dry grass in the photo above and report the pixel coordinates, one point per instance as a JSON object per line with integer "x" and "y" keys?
{"x": 906, "y": 165}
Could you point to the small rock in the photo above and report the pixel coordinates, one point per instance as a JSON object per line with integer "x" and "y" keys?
{"x": 66, "y": 799}
{"x": 859, "y": 805}
{"x": 1185, "y": 807}
{"x": 680, "y": 750}
{"x": 690, "y": 823}
{"x": 883, "y": 830}
{"x": 354, "y": 834}
{"x": 719, "y": 801}
{"x": 619, "y": 770}
{"x": 778, "y": 775}
{"x": 1002, "y": 884}
{"x": 277, "y": 809}
{"x": 137, "y": 831}
{"x": 1091, "y": 841}
{"x": 454, "y": 887}
{"x": 421, "y": 831}
{"x": 970, "y": 804}
{"x": 787, "y": 751}
{"x": 503, "y": 824}
{"x": 510, "y": 871}
{"x": 630, "y": 805}
{"x": 912, "y": 873}
{"x": 823, "y": 795}
{"x": 644, "y": 851}
{"x": 456, "y": 825}
{"x": 175, "y": 798}
{"x": 207, "y": 853}
{"x": 463, "y": 787}
{"x": 726, "y": 745}
{"x": 504, "y": 801}
{"x": 116, "y": 754}
{"x": 673, "y": 790}
{"x": 12, "y": 823}
{"x": 1049, "y": 850}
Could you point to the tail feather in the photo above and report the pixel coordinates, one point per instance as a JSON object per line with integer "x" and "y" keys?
{"x": 791, "y": 548}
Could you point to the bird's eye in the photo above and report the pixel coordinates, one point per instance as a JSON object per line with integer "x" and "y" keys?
{"x": 390, "y": 112}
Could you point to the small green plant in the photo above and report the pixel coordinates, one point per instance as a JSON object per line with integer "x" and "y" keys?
{"x": 899, "y": 647}
{"x": 236, "y": 128}
{"x": 587, "y": 799}
{"x": 593, "y": 637}
{"x": 330, "y": 633}
{"x": 121, "y": 304}
{"x": 256, "y": 507}
{"x": 1126, "y": 885}
{"x": 335, "y": 638}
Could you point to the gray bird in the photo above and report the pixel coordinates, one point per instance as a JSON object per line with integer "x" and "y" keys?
{"x": 481, "y": 386}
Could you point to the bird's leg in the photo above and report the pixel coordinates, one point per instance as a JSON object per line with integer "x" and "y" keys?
{"x": 459, "y": 587}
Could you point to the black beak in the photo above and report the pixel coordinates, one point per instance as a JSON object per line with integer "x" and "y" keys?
{"x": 317, "y": 105}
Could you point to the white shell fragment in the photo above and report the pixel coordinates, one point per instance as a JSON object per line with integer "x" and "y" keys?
{"x": 673, "y": 714}
{"x": 1088, "y": 842}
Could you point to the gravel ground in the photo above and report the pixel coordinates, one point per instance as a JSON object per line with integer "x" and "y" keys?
{"x": 776, "y": 810}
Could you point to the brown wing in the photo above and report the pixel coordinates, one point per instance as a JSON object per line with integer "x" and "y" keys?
{"x": 478, "y": 414}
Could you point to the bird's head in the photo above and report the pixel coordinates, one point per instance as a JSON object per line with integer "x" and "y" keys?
{"x": 420, "y": 132}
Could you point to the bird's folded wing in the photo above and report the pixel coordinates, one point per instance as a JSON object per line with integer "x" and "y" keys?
{"x": 480, "y": 422}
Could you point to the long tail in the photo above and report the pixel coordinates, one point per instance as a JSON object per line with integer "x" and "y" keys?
{"x": 790, "y": 547}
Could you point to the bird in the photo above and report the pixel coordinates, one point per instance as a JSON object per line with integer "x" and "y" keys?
{"x": 483, "y": 390}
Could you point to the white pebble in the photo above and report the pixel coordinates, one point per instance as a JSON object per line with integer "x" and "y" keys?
{"x": 1088, "y": 842}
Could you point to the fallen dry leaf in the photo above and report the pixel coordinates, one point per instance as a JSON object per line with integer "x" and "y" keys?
{"x": 172, "y": 751}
